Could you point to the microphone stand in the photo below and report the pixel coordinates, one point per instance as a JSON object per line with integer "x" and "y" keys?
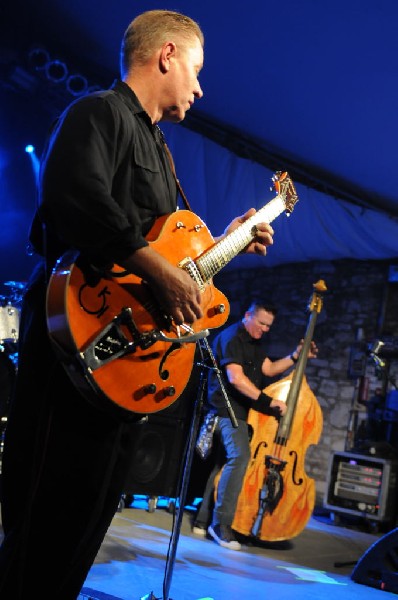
{"x": 203, "y": 345}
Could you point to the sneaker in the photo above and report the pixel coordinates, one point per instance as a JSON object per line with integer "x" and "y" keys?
{"x": 224, "y": 536}
{"x": 199, "y": 529}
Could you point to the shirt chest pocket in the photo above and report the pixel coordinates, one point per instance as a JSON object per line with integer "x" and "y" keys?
{"x": 152, "y": 187}
{"x": 145, "y": 158}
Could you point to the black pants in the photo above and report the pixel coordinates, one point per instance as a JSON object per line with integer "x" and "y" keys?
{"x": 64, "y": 468}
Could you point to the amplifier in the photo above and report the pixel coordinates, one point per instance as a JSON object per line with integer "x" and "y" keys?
{"x": 362, "y": 486}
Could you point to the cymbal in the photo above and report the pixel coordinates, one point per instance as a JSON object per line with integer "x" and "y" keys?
{"x": 18, "y": 285}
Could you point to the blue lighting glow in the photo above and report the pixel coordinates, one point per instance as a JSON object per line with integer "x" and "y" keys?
{"x": 30, "y": 150}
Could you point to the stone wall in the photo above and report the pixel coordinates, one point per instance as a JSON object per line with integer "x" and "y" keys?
{"x": 358, "y": 308}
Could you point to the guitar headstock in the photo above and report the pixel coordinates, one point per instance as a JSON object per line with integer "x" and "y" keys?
{"x": 284, "y": 187}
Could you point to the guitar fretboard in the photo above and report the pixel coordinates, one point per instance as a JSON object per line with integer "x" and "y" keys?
{"x": 212, "y": 261}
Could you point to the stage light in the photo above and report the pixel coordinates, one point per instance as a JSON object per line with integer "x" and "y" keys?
{"x": 76, "y": 85}
{"x": 30, "y": 150}
{"x": 38, "y": 58}
{"x": 56, "y": 71}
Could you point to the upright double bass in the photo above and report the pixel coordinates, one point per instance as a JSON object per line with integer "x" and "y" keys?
{"x": 277, "y": 498}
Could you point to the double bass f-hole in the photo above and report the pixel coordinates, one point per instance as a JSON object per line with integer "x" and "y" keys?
{"x": 300, "y": 479}
{"x": 259, "y": 447}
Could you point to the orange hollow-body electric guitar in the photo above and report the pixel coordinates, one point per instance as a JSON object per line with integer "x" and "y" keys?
{"x": 114, "y": 339}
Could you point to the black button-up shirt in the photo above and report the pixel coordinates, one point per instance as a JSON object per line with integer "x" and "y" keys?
{"x": 105, "y": 178}
{"x": 235, "y": 345}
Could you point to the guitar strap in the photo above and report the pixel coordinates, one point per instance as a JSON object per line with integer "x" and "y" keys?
{"x": 173, "y": 168}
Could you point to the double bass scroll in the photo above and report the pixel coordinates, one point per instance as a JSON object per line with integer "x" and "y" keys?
{"x": 277, "y": 498}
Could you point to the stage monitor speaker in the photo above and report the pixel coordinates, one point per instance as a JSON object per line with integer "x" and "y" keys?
{"x": 378, "y": 567}
{"x": 157, "y": 460}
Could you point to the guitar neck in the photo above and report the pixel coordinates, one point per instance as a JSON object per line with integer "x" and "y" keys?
{"x": 219, "y": 255}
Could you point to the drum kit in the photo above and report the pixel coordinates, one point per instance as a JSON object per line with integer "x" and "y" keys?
{"x": 10, "y": 307}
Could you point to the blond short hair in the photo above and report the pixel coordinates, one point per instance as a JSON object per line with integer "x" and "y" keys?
{"x": 148, "y": 32}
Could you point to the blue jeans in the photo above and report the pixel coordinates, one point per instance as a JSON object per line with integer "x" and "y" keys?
{"x": 204, "y": 515}
{"x": 237, "y": 450}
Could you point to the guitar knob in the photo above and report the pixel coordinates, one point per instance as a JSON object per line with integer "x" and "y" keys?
{"x": 169, "y": 391}
{"x": 220, "y": 309}
{"x": 150, "y": 389}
